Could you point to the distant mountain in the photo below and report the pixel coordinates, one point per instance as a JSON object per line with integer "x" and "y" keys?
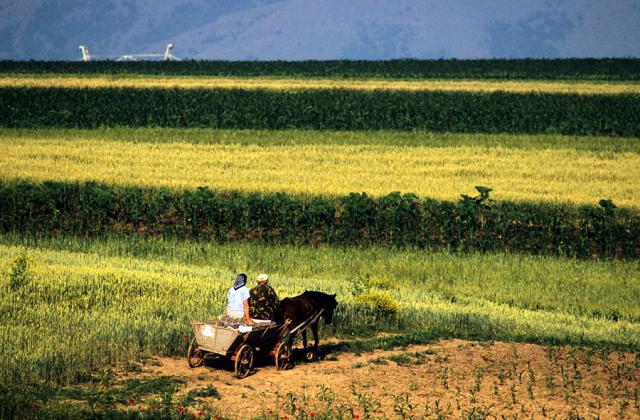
{"x": 321, "y": 29}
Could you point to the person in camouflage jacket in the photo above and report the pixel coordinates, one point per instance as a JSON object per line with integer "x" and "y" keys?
{"x": 264, "y": 300}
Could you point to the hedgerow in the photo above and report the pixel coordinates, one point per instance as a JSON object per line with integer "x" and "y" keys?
{"x": 322, "y": 109}
{"x": 397, "y": 220}
{"x": 575, "y": 69}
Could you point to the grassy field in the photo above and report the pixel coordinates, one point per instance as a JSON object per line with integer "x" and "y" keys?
{"x": 277, "y": 83}
{"x": 76, "y": 305}
{"x": 75, "y": 310}
{"x": 522, "y": 168}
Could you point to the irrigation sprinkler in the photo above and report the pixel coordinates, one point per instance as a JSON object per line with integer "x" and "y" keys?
{"x": 167, "y": 56}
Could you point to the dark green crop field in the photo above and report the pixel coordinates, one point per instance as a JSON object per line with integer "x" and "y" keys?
{"x": 560, "y": 69}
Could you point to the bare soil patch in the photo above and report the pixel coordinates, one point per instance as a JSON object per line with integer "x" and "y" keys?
{"x": 447, "y": 379}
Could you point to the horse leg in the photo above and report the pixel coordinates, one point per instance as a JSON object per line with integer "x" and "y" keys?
{"x": 290, "y": 349}
{"x": 314, "y": 330}
{"x": 311, "y": 355}
{"x": 289, "y": 338}
{"x": 304, "y": 339}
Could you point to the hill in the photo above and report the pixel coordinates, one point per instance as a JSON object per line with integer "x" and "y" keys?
{"x": 328, "y": 29}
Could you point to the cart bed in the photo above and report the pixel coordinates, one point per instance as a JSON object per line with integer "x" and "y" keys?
{"x": 213, "y": 337}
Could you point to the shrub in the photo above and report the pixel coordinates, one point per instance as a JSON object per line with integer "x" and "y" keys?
{"x": 378, "y": 302}
{"x": 19, "y": 272}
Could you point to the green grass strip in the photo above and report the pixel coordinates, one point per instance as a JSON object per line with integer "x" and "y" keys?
{"x": 207, "y": 136}
{"x": 118, "y": 299}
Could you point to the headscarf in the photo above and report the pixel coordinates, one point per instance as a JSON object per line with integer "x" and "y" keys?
{"x": 241, "y": 280}
{"x": 263, "y": 278}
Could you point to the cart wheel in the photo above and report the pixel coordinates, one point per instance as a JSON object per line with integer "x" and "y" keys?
{"x": 195, "y": 356}
{"x": 283, "y": 356}
{"x": 244, "y": 361}
{"x": 310, "y": 356}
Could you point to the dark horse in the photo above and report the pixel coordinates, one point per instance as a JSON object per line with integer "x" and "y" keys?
{"x": 299, "y": 309}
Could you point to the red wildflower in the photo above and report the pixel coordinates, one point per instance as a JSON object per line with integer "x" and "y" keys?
{"x": 132, "y": 401}
{"x": 184, "y": 337}
{"x": 153, "y": 408}
{"x": 312, "y": 414}
{"x": 199, "y": 413}
{"x": 356, "y": 416}
{"x": 181, "y": 409}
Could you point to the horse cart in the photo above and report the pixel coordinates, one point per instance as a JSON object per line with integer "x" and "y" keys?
{"x": 214, "y": 340}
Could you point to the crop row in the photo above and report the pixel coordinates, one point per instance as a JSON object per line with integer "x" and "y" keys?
{"x": 558, "y": 170}
{"x": 289, "y": 84}
{"x": 407, "y": 140}
{"x": 472, "y": 224}
{"x": 578, "y": 69}
{"x": 322, "y": 109}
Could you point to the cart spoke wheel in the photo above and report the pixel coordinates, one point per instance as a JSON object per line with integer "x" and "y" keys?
{"x": 195, "y": 356}
{"x": 284, "y": 359}
{"x": 244, "y": 361}
{"x": 310, "y": 355}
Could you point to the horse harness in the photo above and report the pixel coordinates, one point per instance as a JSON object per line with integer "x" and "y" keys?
{"x": 313, "y": 318}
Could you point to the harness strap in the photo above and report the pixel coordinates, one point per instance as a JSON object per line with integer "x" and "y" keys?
{"x": 313, "y": 318}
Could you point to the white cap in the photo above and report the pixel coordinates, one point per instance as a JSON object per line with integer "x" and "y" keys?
{"x": 262, "y": 278}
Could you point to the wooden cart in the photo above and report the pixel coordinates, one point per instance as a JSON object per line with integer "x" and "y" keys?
{"x": 212, "y": 339}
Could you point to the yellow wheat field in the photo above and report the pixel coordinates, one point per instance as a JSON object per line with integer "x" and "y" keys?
{"x": 205, "y": 82}
{"x": 550, "y": 175}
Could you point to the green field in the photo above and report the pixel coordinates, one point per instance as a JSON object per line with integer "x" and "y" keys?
{"x": 497, "y": 69}
{"x": 322, "y": 109}
{"x": 136, "y": 297}
{"x": 126, "y": 210}
{"x": 603, "y": 145}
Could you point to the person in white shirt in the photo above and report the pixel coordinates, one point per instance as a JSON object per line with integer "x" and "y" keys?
{"x": 238, "y": 302}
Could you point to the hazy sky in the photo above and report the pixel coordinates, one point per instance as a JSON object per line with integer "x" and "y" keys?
{"x": 321, "y": 29}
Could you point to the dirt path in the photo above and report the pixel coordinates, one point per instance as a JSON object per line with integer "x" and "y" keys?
{"x": 450, "y": 378}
